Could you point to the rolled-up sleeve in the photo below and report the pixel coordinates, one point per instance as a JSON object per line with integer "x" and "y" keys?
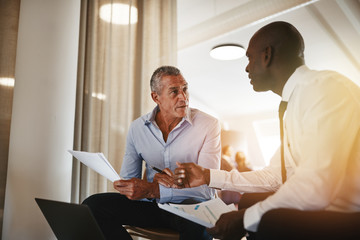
{"x": 132, "y": 162}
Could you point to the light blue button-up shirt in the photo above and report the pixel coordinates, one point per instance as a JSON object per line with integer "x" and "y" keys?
{"x": 195, "y": 139}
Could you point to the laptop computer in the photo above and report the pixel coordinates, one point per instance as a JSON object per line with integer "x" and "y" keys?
{"x": 70, "y": 221}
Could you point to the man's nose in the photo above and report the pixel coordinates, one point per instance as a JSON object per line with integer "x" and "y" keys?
{"x": 183, "y": 95}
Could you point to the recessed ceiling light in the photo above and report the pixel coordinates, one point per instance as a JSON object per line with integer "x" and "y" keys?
{"x": 118, "y": 13}
{"x": 227, "y": 52}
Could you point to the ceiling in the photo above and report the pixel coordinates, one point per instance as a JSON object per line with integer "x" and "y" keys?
{"x": 331, "y": 30}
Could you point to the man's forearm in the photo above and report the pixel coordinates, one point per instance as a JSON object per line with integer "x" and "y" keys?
{"x": 155, "y": 190}
{"x": 207, "y": 176}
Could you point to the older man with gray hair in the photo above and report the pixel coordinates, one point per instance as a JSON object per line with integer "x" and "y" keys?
{"x": 171, "y": 133}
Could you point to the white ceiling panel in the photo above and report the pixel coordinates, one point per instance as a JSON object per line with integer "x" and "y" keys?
{"x": 331, "y": 37}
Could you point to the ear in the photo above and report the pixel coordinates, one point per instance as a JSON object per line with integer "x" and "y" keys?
{"x": 155, "y": 97}
{"x": 268, "y": 55}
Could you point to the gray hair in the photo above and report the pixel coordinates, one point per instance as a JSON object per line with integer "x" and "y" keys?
{"x": 155, "y": 81}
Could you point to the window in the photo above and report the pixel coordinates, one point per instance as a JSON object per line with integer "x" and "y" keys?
{"x": 268, "y": 136}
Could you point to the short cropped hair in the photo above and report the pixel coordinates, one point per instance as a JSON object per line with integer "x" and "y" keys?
{"x": 155, "y": 81}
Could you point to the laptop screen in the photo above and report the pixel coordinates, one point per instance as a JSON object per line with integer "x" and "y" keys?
{"x": 70, "y": 221}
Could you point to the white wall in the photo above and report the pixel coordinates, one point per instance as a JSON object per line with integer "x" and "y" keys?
{"x": 43, "y": 115}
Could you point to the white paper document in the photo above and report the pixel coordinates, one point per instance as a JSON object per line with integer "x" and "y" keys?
{"x": 205, "y": 213}
{"x": 98, "y": 163}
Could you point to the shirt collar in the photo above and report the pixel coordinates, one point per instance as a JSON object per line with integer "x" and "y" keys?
{"x": 189, "y": 116}
{"x": 150, "y": 117}
{"x": 292, "y": 82}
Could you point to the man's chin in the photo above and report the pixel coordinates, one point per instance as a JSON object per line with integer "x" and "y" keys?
{"x": 257, "y": 89}
{"x": 182, "y": 111}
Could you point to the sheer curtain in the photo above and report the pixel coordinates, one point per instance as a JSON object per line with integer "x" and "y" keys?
{"x": 9, "y": 20}
{"x": 116, "y": 59}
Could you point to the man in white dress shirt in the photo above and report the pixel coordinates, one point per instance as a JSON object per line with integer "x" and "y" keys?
{"x": 321, "y": 149}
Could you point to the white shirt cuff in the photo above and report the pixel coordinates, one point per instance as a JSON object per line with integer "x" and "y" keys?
{"x": 252, "y": 218}
{"x": 217, "y": 178}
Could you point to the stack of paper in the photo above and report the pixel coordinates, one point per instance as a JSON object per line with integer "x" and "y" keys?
{"x": 98, "y": 163}
{"x": 205, "y": 213}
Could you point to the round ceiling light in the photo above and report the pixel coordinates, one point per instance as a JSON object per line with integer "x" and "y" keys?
{"x": 227, "y": 52}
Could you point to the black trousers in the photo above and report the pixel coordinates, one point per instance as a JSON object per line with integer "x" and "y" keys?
{"x": 112, "y": 210}
{"x": 284, "y": 224}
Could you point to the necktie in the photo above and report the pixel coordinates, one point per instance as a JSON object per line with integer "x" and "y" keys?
{"x": 282, "y": 109}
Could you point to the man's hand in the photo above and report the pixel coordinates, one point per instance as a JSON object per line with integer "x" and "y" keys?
{"x": 136, "y": 188}
{"x": 191, "y": 175}
{"x": 166, "y": 178}
{"x": 229, "y": 226}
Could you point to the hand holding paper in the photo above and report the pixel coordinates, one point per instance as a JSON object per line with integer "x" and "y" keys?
{"x": 98, "y": 163}
{"x": 205, "y": 213}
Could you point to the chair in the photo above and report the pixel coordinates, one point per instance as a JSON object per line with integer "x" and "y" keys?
{"x": 152, "y": 233}
{"x": 301, "y": 225}
{"x": 283, "y": 224}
